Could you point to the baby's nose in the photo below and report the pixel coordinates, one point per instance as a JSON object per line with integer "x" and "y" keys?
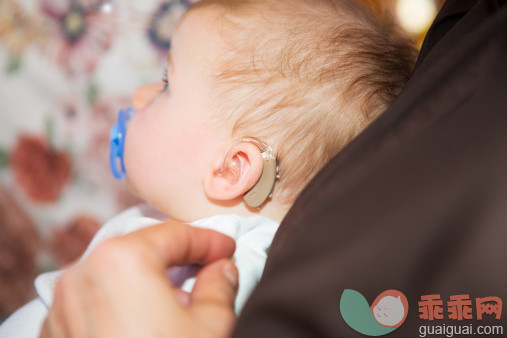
{"x": 144, "y": 95}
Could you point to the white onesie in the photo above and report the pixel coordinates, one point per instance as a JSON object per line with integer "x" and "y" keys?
{"x": 253, "y": 236}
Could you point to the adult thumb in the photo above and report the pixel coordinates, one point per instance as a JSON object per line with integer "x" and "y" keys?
{"x": 216, "y": 285}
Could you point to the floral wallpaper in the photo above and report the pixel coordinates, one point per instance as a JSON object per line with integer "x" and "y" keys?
{"x": 66, "y": 67}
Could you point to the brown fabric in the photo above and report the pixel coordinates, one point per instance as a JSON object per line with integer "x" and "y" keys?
{"x": 417, "y": 203}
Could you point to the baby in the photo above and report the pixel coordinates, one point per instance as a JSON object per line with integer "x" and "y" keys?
{"x": 254, "y": 89}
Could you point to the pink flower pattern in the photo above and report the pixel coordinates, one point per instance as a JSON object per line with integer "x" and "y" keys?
{"x": 46, "y": 174}
{"x": 83, "y": 31}
{"x": 41, "y": 171}
{"x": 19, "y": 245}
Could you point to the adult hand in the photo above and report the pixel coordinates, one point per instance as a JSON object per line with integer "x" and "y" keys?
{"x": 121, "y": 289}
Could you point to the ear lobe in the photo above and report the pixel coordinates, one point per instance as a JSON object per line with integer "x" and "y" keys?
{"x": 238, "y": 172}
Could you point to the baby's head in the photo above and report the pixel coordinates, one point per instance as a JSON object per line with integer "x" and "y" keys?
{"x": 304, "y": 76}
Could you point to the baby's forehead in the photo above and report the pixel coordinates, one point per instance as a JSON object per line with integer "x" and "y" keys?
{"x": 196, "y": 44}
{"x": 198, "y": 29}
{"x": 201, "y": 21}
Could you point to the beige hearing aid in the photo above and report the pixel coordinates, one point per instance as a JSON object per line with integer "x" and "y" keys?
{"x": 261, "y": 191}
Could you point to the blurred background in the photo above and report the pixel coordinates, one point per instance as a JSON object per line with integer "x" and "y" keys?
{"x": 66, "y": 67}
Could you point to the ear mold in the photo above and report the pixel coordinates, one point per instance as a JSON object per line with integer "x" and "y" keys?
{"x": 261, "y": 191}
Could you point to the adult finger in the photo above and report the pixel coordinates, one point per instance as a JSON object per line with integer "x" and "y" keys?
{"x": 175, "y": 243}
{"x": 216, "y": 284}
{"x": 45, "y": 329}
{"x": 212, "y": 299}
{"x": 183, "y": 297}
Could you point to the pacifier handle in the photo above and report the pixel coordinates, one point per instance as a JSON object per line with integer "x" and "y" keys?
{"x": 117, "y": 143}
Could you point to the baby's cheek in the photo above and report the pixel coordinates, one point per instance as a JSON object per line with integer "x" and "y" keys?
{"x": 129, "y": 146}
{"x": 133, "y": 153}
{"x": 131, "y": 187}
{"x": 137, "y": 137}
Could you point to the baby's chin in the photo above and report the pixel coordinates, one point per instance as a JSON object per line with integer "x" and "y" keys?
{"x": 132, "y": 188}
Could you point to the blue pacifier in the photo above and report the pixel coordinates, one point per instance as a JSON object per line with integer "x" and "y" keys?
{"x": 117, "y": 143}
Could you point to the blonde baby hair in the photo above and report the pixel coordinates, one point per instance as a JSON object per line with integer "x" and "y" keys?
{"x": 305, "y": 76}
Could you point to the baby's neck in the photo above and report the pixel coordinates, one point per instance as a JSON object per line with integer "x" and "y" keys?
{"x": 270, "y": 209}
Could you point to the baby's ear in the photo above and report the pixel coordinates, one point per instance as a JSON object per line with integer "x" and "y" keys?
{"x": 235, "y": 173}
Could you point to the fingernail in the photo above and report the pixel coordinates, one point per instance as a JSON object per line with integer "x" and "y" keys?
{"x": 231, "y": 273}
